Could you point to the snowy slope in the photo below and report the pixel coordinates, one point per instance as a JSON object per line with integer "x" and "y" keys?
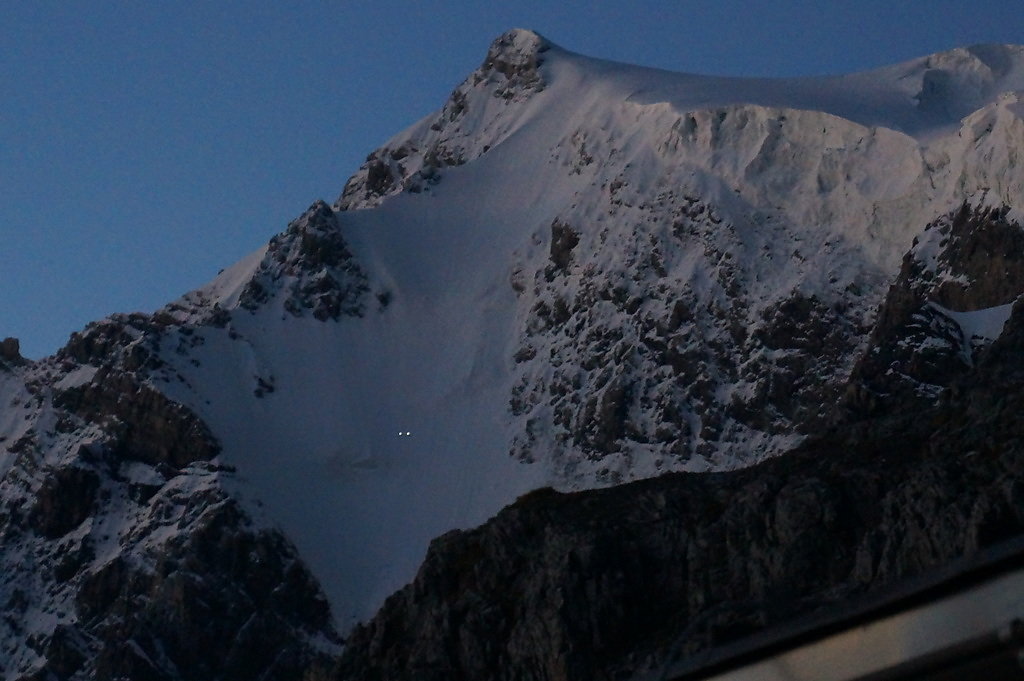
{"x": 576, "y": 273}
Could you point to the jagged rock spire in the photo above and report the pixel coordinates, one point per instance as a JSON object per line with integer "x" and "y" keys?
{"x": 509, "y": 74}
{"x": 516, "y": 55}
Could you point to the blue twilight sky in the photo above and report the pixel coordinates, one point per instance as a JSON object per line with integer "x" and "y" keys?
{"x": 146, "y": 145}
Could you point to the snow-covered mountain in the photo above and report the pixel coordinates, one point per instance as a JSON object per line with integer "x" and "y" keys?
{"x": 577, "y": 273}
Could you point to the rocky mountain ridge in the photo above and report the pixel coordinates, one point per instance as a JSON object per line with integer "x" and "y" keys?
{"x": 576, "y": 274}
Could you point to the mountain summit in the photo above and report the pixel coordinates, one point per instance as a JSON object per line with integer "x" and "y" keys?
{"x": 575, "y": 274}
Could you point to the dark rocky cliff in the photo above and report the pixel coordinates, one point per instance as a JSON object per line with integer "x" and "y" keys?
{"x": 968, "y": 260}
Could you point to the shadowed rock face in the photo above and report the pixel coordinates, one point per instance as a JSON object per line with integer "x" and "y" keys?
{"x": 146, "y": 425}
{"x": 65, "y": 499}
{"x": 10, "y": 351}
{"x": 219, "y": 601}
{"x": 152, "y": 572}
{"x": 122, "y": 555}
{"x": 311, "y": 267}
{"x": 597, "y": 584}
{"x": 966, "y": 261}
{"x": 222, "y": 602}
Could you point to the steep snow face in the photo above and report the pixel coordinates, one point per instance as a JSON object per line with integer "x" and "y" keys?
{"x": 981, "y": 325}
{"x": 315, "y": 413}
{"x": 702, "y": 301}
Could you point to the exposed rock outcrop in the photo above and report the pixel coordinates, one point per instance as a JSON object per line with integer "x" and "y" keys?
{"x": 192, "y": 590}
{"x": 142, "y": 423}
{"x": 10, "y": 351}
{"x": 509, "y": 75}
{"x": 659, "y": 347}
{"x": 970, "y": 260}
{"x": 311, "y": 267}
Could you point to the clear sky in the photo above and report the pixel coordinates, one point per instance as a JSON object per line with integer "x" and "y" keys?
{"x": 146, "y": 145}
